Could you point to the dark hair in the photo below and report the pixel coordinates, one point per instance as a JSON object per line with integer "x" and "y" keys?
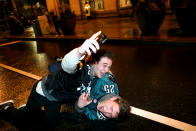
{"x": 96, "y": 57}
{"x": 125, "y": 109}
{"x": 56, "y": 58}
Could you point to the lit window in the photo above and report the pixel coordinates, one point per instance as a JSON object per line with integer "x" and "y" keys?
{"x": 125, "y": 3}
{"x": 98, "y": 4}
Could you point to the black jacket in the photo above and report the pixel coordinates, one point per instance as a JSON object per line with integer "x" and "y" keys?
{"x": 63, "y": 86}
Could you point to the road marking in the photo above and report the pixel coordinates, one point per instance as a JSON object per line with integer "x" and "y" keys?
{"x": 13, "y": 42}
{"x": 162, "y": 119}
{"x": 146, "y": 114}
{"x": 21, "y": 72}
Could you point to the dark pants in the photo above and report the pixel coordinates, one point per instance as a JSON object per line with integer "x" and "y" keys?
{"x": 36, "y": 102}
{"x": 56, "y": 24}
{"x": 21, "y": 119}
{"x": 12, "y": 114}
{"x": 24, "y": 120}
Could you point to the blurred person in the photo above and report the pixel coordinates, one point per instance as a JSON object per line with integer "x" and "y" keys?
{"x": 87, "y": 10}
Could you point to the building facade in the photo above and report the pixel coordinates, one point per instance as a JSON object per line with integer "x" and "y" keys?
{"x": 102, "y": 8}
{"x": 98, "y": 8}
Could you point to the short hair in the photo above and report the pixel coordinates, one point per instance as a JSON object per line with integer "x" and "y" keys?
{"x": 125, "y": 109}
{"x": 96, "y": 57}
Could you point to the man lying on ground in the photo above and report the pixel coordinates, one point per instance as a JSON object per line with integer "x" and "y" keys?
{"x": 79, "y": 79}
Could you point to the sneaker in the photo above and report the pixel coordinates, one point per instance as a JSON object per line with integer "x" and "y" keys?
{"x": 21, "y": 107}
{"x": 4, "y": 105}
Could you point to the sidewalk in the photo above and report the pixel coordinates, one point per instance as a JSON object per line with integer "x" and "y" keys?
{"x": 116, "y": 28}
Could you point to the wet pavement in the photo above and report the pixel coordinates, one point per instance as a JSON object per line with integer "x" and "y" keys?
{"x": 155, "y": 72}
{"x": 116, "y": 28}
{"x": 156, "y": 78}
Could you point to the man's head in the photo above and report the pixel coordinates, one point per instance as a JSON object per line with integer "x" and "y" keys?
{"x": 102, "y": 62}
{"x": 115, "y": 108}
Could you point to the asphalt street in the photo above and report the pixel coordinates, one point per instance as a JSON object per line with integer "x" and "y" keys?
{"x": 156, "y": 78}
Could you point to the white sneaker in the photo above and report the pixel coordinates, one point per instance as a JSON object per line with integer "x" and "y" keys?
{"x": 4, "y": 105}
{"x": 21, "y": 106}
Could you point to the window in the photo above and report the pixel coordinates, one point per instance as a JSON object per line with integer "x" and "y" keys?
{"x": 98, "y": 4}
{"x": 125, "y": 3}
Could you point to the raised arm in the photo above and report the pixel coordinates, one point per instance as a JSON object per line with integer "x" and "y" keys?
{"x": 83, "y": 101}
{"x": 70, "y": 60}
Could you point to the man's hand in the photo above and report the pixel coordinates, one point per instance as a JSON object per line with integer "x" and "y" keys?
{"x": 88, "y": 45}
{"x": 84, "y": 100}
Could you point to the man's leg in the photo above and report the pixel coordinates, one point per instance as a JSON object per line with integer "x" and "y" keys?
{"x": 55, "y": 20}
{"x": 6, "y": 109}
{"x": 34, "y": 105}
{"x": 35, "y": 100}
{"x": 52, "y": 112}
{"x": 12, "y": 115}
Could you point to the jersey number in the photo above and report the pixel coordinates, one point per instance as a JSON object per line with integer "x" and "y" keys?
{"x": 109, "y": 88}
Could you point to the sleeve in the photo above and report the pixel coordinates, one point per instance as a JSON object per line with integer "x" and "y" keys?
{"x": 79, "y": 110}
{"x": 90, "y": 113}
{"x": 70, "y": 61}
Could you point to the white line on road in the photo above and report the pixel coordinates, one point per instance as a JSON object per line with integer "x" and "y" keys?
{"x": 21, "y": 72}
{"x": 162, "y": 119}
{"x": 13, "y": 42}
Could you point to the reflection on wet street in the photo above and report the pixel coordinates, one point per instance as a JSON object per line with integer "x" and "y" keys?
{"x": 160, "y": 79}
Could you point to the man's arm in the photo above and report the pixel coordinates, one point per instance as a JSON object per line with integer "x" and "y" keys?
{"x": 70, "y": 61}
{"x": 82, "y": 102}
